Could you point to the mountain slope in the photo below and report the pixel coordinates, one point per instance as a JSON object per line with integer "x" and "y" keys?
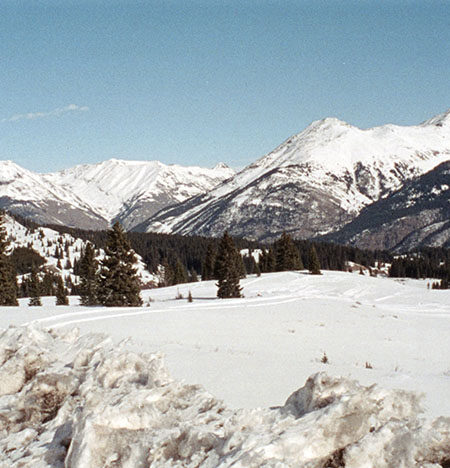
{"x": 131, "y": 191}
{"x": 92, "y": 196}
{"x": 47, "y": 242}
{"x": 315, "y": 182}
{"x": 31, "y": 196}
{"x": 416, "y": 215}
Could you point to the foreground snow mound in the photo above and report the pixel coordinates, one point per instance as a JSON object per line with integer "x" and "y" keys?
{"x": 82, "y": 401}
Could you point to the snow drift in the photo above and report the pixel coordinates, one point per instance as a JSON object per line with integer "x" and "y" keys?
{"x": 83, "y": 401}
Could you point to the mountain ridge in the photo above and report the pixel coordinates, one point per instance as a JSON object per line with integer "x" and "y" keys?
{"x": 92, "y": 196}
{"x": 314, "y": 182}
{"x": 417, "y": 215}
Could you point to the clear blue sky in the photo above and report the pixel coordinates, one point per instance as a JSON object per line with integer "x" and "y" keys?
{"x": 198, "y": 82}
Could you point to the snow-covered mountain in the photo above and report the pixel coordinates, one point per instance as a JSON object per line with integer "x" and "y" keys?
{"x": 32, "y": 196}
{"x": 415, "y": 216}
{"x": 131, "y": 191}
{"x": 313, "y": 183}
{"x": 92, "y": 196}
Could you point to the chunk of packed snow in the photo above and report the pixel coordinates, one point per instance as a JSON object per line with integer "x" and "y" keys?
{"x": 82, "y": 401}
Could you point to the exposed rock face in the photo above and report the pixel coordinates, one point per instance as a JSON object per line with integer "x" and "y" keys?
{"x": 415, "y": 216}
{"x": 314, "y": 183}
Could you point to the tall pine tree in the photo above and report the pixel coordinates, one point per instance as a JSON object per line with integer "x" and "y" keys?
{"x": 89, "y": 277}
{"x": 8, "y": 281}
{"x": 313, "y": 263}
{"x": 61, "y": 292}
{"x": 228, "y": 268}
{"x": 34, "y": 289}
{"x": 119, "y": 283}
{"x": 209, "y": 263}
{"x": 286, "y": 254}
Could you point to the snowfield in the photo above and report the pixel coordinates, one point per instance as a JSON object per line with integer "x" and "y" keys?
{"x": 83, "y": 400}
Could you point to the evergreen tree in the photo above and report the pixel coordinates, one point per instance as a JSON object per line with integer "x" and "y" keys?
{"x": 286, "y": 254}
{"x": 271, "y": 261}
{"x": 8, "y": 281}
{"x": 167, "y": 274}
{"x": 227, "y": 268}
{"x": 193, "y": 278}
{"x": 314, "y": 265}
{"x": 240, "y": 264}
{"x": 179, "y": 273}
{"x": 34, "y": 289}
{"x": 209, "y": 262}
{"x": 47, "y": 284}
{"x": 61, "y": 292}
{"x": 119, "y": 283}
{"x": 89, "y": 277}
{"x": 262, "y": 261}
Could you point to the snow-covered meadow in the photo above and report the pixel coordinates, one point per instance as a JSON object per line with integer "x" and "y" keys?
{"x": 253, "y": 353}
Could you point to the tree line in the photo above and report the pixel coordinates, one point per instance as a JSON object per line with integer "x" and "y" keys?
{"x": 179, "y": 259}
{"x": 424, "y": 263}
{"x": 112, "y": 281}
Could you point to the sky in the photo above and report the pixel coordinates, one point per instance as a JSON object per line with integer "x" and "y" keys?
{"x": 198, "y": 82}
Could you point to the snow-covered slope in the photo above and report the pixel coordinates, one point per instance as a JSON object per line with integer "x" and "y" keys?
{"x": 417, "y": 215}
{"x": 31, "y": 195}
{"x": 92, "y": 196}
{"x": 131, "y": 191}
{"x": 84, "y": 402}
{"x": 60, "y": 251}
{"x": 315, "y": 182}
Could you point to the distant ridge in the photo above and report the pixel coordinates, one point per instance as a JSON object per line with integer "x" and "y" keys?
{"x": 417, "y": 215}
{"x": 314, "y": 183}
{"x": 92, "y": 196}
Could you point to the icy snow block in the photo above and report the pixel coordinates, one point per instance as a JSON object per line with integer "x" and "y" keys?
{"x": 85, "y": 402}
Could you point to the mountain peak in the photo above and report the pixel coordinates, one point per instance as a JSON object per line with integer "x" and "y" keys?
{"x": 221, "y": 165}
{"x": 439, "y": 120}
{"x": 10, "y": 170}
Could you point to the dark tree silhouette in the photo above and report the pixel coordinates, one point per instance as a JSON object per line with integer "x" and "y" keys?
{"x": 119, "y": 283}
{"x": 228, "y": 268}
{"x": 8, "y": 282}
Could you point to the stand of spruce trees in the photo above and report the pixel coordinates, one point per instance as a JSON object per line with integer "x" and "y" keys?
{"x": 8, "y": 282}
{"x": 89, "y": 278}
{"x": 198, "y": 255}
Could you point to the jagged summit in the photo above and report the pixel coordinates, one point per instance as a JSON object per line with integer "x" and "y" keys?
{"x": 221, "y": 165}
{"x": 94, "y": 195}
{"x": 314, "y": 182}
{"x": 440, "y": 120}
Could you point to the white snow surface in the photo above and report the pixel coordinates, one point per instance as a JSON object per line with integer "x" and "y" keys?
{"x": 82, "y": 401}
{"x": 119, "y": 408}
